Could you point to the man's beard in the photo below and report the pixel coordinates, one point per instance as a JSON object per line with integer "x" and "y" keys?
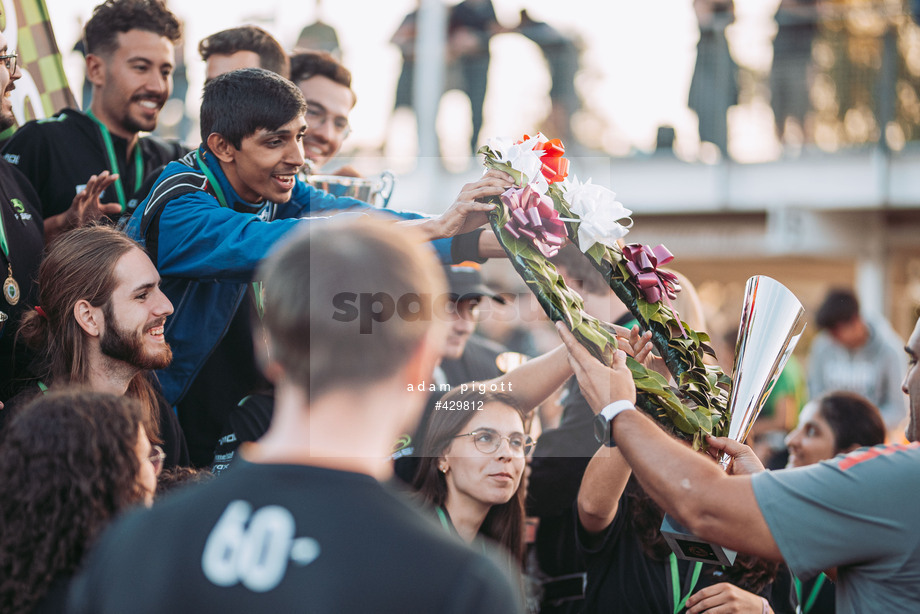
{"x": 6, "y": 120}
{"x": 129, "y": 347}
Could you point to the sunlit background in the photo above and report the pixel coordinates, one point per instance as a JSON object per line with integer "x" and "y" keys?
{"x": 836, "y": 201}
{"x": 636, "y": 65}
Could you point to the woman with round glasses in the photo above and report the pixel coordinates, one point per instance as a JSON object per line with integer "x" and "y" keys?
{"x": 473, "y": 459}
{"x": 70, "y": 462}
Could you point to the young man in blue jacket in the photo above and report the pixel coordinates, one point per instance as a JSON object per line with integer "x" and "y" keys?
{"x": 212, "y": 217}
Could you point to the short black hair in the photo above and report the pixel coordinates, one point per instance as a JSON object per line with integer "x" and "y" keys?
{"x": 839, "y": 307}
{"x": 310, "y": 63}
{"x": 238, "y": 103}
{"x": 100, "y": 35}
{"x": 247, "y": 38}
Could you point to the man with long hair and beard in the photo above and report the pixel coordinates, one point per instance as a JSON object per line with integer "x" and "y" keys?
{"x": 99, "y": 323}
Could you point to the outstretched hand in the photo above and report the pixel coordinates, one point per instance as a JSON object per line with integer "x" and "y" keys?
{"x": 744, "y": 461}
{"x": 600, "y": 385}
{"x": 468, "y": 212}
{"x": 86, "y": 207}
{"x": 725, "y": 598}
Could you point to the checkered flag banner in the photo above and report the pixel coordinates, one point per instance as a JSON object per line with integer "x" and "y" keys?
{"x": 43, "y": 90}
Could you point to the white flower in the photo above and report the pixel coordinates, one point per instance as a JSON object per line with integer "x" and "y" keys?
{"x": 599, "y": 214}
{"x": 522, "y": 157}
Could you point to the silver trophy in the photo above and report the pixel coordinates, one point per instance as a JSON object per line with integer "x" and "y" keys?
{"x": 772, "y": 321}
{"x": 375, "y": 191}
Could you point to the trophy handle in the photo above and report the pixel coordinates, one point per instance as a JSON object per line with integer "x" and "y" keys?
{"x": 387, "y": 183}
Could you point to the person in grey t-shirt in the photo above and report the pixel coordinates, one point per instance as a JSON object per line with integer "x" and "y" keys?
{"x": 855, "y": 513}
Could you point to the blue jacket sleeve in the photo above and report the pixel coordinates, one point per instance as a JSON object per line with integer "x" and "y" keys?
{"x": 306, "y": 199}
{"x": 199, "y": 239}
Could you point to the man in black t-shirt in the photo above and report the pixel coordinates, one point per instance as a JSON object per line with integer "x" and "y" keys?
{"x": 466, "y": 358}
{"x": 20, "y": 241}
{"x": 129, "y": 61}
{"x": 302, "y": 523}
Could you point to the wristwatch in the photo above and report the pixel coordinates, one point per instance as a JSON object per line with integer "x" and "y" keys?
{"x": 603, "y": 422}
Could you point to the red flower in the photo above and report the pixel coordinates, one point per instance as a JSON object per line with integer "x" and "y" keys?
{"x": 555, "y": 166}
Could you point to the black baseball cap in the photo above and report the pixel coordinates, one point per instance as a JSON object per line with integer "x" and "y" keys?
{"x": 465, "y": 280}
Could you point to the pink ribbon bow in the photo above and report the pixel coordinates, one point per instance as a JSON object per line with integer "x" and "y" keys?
{"x": 533, "y": 216}
{"x": 642, "y": 262}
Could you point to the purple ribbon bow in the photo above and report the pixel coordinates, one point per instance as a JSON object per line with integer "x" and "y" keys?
{"x": 533, "y": 216}
{"x": 642, "y": 262}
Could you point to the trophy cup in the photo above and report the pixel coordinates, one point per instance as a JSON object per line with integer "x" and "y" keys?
{"x": 772, "y": 321}
{"x": 375, "y": 191}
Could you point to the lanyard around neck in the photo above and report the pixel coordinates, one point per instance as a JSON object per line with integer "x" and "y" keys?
{"x": 442, "y": 516}
{"x": 113, "y": 162}
{"x": 444, "y": 521}
{"x": 813, "y": 596}
{"x": 211, "y": 179}
{"x": 675, "y": 582}
{"x": 219, "y": 193}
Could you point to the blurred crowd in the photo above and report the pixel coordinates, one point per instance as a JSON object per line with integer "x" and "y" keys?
{"x": 227, "y": 386}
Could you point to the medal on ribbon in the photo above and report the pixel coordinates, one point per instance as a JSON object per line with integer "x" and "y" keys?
{"x": 10, "y": 287}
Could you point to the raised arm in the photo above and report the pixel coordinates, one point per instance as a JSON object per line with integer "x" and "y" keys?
{"x": 532, "y": 382}
{"x": 467, "y": 212}
{"x": 712, "y": 504}
{"x": 601, "y": 489}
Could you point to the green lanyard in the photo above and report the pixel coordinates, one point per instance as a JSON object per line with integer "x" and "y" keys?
{"x": 113, "y": 162}
{"x": 42, "y": 387}
{"x": 447, "y": 526}
{"x": 212, "y": 180}
{"x": 813, "y": 596}
{"x": 443, "y": 518}
{"x": 3, "y": 244}
{"x": 675, "y": 583}
{"x": 257, "y": 289}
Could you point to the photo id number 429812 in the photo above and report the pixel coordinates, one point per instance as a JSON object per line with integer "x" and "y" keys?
{"x": 459, "y": 405}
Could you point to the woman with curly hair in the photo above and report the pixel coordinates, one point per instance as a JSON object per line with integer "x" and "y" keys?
{"x": 70, "y": 462}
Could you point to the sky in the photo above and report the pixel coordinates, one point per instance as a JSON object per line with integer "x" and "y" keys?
{"x": 636, "y": 68}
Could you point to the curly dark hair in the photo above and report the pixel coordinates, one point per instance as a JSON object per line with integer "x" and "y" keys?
{"x": 69, "y": 464}
{"x": 180, "y": 477}
{"x": 112, "y": 17}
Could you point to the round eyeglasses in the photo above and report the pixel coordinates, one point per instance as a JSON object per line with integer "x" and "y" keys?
{"x": 157, "y": 456}
{"x": 317, "y": 116}
{"x": 10, "y": 60}
{"x": 488, "y": 441}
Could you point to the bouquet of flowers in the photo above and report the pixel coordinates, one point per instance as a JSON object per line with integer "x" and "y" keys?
{"x": 544, "y": 209}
